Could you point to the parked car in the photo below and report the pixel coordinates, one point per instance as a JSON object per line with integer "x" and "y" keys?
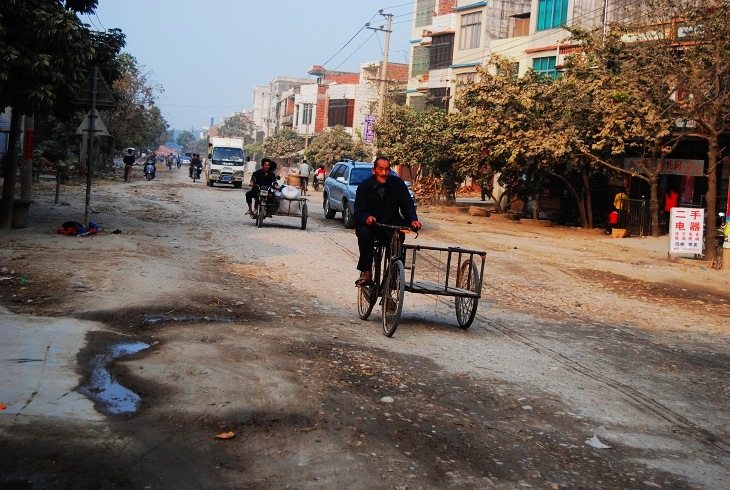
{"x": 340, "y": 187}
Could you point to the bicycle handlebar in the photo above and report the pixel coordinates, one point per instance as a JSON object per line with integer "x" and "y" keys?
{"x": 403, "y": 228}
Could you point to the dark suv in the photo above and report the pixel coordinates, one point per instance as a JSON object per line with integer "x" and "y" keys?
{"x": 340, "y": 187}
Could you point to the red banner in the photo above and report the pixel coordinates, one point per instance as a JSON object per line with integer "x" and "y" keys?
{"x": 28, "y": 144}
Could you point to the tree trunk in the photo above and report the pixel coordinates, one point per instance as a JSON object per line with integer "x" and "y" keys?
{"x": 711, "y": 197}
{"x": 11, "y": 170}
{"x": 654, "y": 204}
{"x": 588, "y": 202}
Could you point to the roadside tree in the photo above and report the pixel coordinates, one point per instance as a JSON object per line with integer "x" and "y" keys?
{"x": 334, "y": 145}
{"x": 41, "y": 66}
{"x": 185, "y": 139}
{"x": 690, "y": 48}
{"x": 284, "y": 144}
{"x": 134, "y": 94}
{"x": 237, "y": 126}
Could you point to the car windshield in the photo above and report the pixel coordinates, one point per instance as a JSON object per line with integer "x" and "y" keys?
{"x": 360, "y": 174}
{"x": 232, "y": 155}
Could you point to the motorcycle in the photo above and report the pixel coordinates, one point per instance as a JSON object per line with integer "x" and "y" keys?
{"x": 149, "y": 169}
{"x": 318, "y": 182}
{"x": 195, "y": 171}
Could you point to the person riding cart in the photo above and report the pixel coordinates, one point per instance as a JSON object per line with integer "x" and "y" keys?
{"x": 262, "y": 178}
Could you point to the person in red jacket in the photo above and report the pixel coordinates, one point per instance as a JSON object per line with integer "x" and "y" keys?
{"x": 670, "y": 202}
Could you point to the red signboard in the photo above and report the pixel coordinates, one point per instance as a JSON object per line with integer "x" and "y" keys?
{"x": 670, "y": 166}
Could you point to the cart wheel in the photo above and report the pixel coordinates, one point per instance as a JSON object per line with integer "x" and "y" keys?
{"x": 466, "y": 308}
{"x": 304, "y": 216}
{"x": 393, "y": 297}
{"x": 260, "y": 216}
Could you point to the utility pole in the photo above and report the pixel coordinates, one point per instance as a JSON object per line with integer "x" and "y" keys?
{"x": 384, "y": 71}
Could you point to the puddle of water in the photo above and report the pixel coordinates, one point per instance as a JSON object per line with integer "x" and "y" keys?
{"x": 154, "y": 320}
{"x": 104, "y": 389}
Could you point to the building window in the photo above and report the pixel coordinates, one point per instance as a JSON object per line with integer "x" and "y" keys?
{"x": 463, "y": 80}
{"x": 307, "y": 113}
{"x": 551, "y": 14}
{"x": 341, "y": 112}
{"x": 439, "y": 98}
{"x": 471, "y": 28}
{"x": 417, "y": 102}
{"x": 521, "y": 27}
{"x": 442, "y": 51}
{"x": 546, "y": 66}
{"x": 424, "y": 12}
{"x": 420, "y": 60}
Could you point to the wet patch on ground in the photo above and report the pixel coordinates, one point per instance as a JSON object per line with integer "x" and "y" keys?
{"x": 676, "y": 293}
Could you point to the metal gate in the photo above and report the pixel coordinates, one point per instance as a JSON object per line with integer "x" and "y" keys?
{"x": 635, "y": 216}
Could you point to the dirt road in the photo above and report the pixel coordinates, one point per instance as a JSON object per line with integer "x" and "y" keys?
{"x": 254, "y": 331}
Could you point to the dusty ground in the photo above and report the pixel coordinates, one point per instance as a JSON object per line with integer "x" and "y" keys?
{"x": 254, "y": 331}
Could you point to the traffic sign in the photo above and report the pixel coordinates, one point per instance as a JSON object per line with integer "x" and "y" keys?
{"x": 104, "y": 96}
{"x": 99, "y": 127}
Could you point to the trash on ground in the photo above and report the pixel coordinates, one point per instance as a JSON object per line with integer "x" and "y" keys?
{"x": 596, "y": 443}
{"x": 226, "y": 435}
{"x": 74, "y": 228}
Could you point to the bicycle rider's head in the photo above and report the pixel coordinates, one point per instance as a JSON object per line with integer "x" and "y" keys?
{"x": 381, "y": 169}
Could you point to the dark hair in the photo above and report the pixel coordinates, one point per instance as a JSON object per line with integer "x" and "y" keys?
{"x": 266, "y": 160}
{"x": 378, "y": 158}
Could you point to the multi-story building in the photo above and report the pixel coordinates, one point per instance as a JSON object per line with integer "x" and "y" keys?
{"x": 333, "y": 98}
{"x": 536, "y": 39}
{"x": 450, "y": 38}
{"x": 265, "y": 103}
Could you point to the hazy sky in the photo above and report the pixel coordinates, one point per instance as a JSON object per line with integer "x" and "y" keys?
{"x": 209, "y": 55}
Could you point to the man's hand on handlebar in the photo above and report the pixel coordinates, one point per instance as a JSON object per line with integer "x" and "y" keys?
{"x": 416, "y": 225}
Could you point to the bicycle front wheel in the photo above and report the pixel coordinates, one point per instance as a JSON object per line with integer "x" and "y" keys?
{"x": 393, "y": 297}
{"x": 366, "y": 297}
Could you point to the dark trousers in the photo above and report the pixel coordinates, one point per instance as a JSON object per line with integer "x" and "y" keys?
{"x": 366, "y": 237}
{"x": 253, "y": 193}
{"x": 127, "y": 172}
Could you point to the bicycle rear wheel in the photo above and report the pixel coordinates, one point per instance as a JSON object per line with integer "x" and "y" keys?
{"x": 466, "y": 308}
{"x": 393, "y": 290}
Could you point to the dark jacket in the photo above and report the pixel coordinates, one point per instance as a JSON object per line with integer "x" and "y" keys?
{"x": 128, "y": 159}
{"x": 263, "y": 179}
{"x": 395, "y": 205}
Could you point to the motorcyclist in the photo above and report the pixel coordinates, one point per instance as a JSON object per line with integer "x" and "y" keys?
{"x": 263, "y": 177}
{"x": 319, "y": 176}
{"x": 195, "y": 165}
{"x": 151, "y": 160}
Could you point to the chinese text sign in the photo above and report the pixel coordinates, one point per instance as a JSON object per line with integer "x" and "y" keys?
{"x": 686, "y": 230}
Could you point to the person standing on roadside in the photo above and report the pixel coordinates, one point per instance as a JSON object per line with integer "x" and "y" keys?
{"x": 304, "y": 174}
{"x": 671, "y": 200}
{"x": 128, "y": 160}
{"x": 621, "y": 204}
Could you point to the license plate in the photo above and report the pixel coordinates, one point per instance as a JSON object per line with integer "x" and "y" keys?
{"x": 225, "y": 179}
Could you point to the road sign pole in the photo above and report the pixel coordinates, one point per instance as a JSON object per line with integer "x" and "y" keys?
{"x": 90, "y": 152}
